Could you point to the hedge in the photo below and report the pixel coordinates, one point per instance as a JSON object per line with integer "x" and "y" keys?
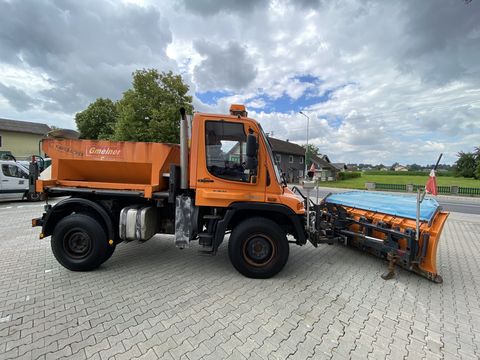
{"x": 409, "y": 173}
{"x": 349, "y": 175}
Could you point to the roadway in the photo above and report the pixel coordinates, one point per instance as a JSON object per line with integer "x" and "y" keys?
{"x": 457, "y": 205}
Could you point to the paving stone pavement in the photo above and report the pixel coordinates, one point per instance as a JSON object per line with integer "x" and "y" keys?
{"x": 154, "y": 301}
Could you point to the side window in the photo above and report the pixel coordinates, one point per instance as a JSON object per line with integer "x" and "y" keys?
{"x": 226, "y": 150}
{"x": 13, "y": 171}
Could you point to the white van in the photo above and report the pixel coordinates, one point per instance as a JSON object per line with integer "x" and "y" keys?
{"x": 14, "y": 181}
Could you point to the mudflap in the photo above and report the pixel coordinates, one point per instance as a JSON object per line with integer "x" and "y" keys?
{"x": 183, "y": 220}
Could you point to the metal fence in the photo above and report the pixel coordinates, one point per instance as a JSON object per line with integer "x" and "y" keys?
{"x": 421, "y": 187}
{"x": 444, "y": 189}
{"x": 449, "y": 190}
{"x": 441, "y": 189}
{"x": 393, "y": 187}
{"x": 469, "y": 191}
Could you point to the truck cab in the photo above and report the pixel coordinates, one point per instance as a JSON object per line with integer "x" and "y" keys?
{"x": 219, "y": 171}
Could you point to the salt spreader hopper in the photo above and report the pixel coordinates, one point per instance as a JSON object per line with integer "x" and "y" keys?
{"x": 86, "y": 166}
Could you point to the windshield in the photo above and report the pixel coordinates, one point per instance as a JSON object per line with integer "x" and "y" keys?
{"x": 270, "y": 154}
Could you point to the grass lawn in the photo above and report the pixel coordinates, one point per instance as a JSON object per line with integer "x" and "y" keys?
{"x": 359, "y": 183}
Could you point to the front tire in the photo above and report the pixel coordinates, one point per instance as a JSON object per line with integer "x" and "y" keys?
{"x": 258, "y": 248}
{"x": 79, "y": 243}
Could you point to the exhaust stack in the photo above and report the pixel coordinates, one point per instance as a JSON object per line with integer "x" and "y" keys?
{"x": 183, "y": 150}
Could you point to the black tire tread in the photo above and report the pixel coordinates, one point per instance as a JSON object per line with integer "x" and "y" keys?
{"x": 258, "y": 224}
{"x": 96, "y": 232}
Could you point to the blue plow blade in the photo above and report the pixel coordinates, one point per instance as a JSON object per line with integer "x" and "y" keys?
{"x": 397, "y": 205}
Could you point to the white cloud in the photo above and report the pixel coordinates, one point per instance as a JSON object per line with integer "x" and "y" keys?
{"x": 403, "y": 76}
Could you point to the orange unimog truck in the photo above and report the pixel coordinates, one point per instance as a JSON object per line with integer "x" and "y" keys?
{"x": 221, "y": 179}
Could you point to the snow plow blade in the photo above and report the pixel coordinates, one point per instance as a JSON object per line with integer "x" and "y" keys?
{"x": 385, "y": 225}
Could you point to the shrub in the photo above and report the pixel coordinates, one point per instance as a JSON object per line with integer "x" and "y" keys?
{"x": 349, "y": 175}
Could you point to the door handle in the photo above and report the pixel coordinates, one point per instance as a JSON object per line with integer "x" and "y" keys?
{"x": 4, "y": 180}
{"x": 205, "y": 180}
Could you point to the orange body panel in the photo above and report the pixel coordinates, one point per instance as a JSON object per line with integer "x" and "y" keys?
{"x": 109, "y": 164}
{"x": 428, "y": 265}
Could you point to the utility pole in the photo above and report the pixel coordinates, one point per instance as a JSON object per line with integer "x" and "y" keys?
{"x": 306, "y": 150}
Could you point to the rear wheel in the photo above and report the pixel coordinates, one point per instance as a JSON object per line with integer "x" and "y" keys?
{"x": 35, "y": 196}
{"x": 258, "y": 248}
{"x": 79, "y": 243}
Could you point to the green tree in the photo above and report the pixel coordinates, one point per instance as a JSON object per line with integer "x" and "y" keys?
{"x": 394, "y": 165}
{"x": 98, "y": 120}
{"x": 465, "y": 165}
{"x": 415, "y": 167}
{"x": 149, "y": 111}
{"x": 477, "y": 161}
{"x": 310, "y": 150}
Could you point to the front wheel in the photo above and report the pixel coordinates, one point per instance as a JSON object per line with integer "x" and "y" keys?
{"x": 79, "y": 243}
{"x": 258, "y": 248}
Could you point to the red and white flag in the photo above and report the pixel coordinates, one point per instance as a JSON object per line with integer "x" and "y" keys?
{"x": 431, "y": 187}
{"x": 311, "y": 172}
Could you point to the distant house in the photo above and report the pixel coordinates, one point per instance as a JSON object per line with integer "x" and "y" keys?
{"x": 400, "y": 168}
{"x": 324, "y": 169}
{"x": 21, "y": 138}
{"x": 290, "y": 158}
{"x": 340, "y": 166}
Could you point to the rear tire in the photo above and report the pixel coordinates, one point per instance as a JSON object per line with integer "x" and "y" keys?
{"x": 258, "y": 248}
{"x": 79, "y": 243}
{"x": 34, "y": 196}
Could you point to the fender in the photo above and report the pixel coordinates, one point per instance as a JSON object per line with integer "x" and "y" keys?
{"x": 75, "y": 204}
{"x": 259, "y": 208}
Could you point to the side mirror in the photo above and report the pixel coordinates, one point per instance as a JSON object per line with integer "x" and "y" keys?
{"x": 251, "y": 145}
{"x": 251, "y": 162}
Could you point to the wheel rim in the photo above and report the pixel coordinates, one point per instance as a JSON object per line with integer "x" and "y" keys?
{"x": 259, "y": 250}
{"x": 77, "y": 244}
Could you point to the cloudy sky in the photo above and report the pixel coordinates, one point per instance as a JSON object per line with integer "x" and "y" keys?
{"x": 382, "y": 81}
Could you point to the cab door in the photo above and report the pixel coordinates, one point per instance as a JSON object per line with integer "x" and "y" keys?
{"x": 14, "y": 182}
{"x": 222, "y": 177}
